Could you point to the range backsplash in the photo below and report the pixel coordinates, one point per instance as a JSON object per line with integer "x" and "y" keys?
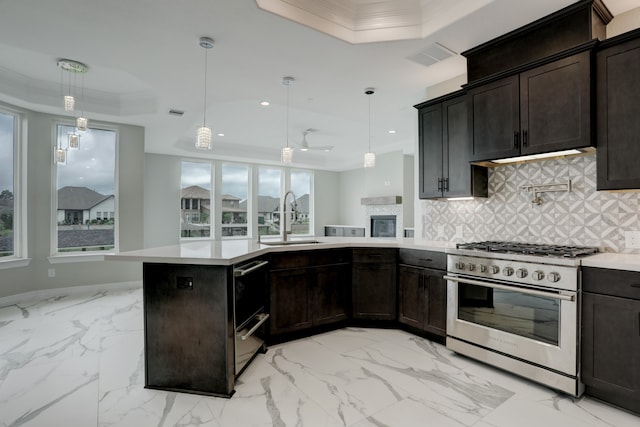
{"x": 584, "y": 216}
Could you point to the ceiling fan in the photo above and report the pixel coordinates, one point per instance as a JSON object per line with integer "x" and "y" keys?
{"x": 304, "y": 145}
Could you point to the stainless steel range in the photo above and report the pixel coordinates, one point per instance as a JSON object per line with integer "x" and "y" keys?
{"x": 516, "y": 306}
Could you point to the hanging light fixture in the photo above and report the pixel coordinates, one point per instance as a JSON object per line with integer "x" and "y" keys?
{"x": 74, "y": 141}
{"x": 286, "y": 156}
{"x": 203, "y": 139}
{"x": 81, "y": 120}
{"x": 369, "y": 157}
{"x": 60, "y": 153}
{"x": 73, "y": 68}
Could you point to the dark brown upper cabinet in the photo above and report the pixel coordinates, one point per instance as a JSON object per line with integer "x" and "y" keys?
{"x": 444, "y": 150}
{"x": 542, "y": 109}
{"x": 618, "y": 91}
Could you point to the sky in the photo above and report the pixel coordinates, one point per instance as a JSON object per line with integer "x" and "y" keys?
{"x": 6, "y": 152}
{"x": 93, "y": 164}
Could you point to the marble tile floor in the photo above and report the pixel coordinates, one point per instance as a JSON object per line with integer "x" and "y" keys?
{"x": 77, "y": 360}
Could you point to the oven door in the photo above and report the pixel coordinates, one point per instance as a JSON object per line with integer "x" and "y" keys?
{"x": 535, "y": 325}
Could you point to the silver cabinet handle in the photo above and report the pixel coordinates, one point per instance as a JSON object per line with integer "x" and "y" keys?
{"x": 239, "y": 272}
{"x": 511, "y": 288}
{"x": 261, "y": 319}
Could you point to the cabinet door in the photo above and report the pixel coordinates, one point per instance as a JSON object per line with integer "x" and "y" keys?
{"x": 495, "y": 119}
{"x": 411, "y": 304}
{"x": 430, "y": 151}
{"x": 610, "y": 349}
{"x": 456, "y": 168}
{"x": 290, "y": 298}
{"x": 374, "y": 291}
{"x": 555, "y": 105}
{"x": 331, "y": 293}
{"x": 618, "y": 87}
{"x": 435, "y": 289}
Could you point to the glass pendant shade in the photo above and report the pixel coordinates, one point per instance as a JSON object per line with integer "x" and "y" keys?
{"x": 69, "y": 103}
{"x": 61, "y": 156}
{"x": 203, "y": 140}
{"x": 369, "y": 160}
{"x": 81, "y": 123}
{"x": 74, "y": 141}
{"x": 286, "y": 156}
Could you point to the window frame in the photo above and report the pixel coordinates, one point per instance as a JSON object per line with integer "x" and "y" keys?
{"x": 56, "y": 257}
{"x": 20, "y": 256}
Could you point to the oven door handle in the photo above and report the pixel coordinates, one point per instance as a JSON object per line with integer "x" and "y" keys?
{"x": 261, "y": 319}
{"x": 241, "y": 271}
{"x": 511, "y": 288}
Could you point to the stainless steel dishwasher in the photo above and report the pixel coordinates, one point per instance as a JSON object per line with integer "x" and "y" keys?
{"x": 250, "y": 300}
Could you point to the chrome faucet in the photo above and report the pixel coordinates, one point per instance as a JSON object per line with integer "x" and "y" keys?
{"x": 294, "y": 207}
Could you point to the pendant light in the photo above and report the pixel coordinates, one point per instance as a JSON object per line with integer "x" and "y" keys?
{"x": 81, "y": 120}
{"x": 286, "y": 156}
{"x": 73, "y": 68}
{"x": 60, "y": 153}
{"x": 369, "y": 157}
{"x": 203, "y": 139}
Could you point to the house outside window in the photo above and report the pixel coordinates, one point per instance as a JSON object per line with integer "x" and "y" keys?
{"x": 269, "y": 191}
{"x": 85, "y": 189}
{"x": 301, "y": 185}
{"x": 235, "y": 190}
{"x": 195, "y": 200}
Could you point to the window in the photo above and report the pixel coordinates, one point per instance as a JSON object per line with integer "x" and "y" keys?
{"x": 235, "y": 189}
{"x": 301, "y": 186}
{"x": 195, "y": 200}
{"x": 269, "y": 190}
{"x": 85, "y": 188}
{"x": 8, "y": 196}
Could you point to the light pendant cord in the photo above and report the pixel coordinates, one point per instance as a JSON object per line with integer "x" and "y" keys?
{"x": 287, "y": 128}
{"x": 369, "y": 123}
{"x": 204, "y": 119}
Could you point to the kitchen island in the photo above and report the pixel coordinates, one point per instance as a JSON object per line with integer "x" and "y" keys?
{"x": 190, "y": 312}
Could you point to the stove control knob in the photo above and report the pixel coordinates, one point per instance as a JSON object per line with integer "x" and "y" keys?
{"x": 507, "y": 271}
{"x": 521, "y": 273}
{"x": 538, "y": 275}
{"x": 471, "y": 267}
{"x": 460, "y": 265}
{"x": 495, "y": 269}
{"x": 483, "y": 268}
{"x": 553, "y": 277}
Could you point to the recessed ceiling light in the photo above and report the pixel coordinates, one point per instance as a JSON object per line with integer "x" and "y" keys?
{"x": 265, "y": 103}
{"x": 392, "y": 131}
{"x": 221, "y": 134}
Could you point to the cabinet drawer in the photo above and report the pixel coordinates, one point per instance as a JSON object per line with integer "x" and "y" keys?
{"x": 619, "y": 283}
{"x": 301, "y": 259}
{"x": 374, "y": 255}
{"x": 354, "y": 232}
{"x": 420, "y": 258}
{"x": 333, "y": 231}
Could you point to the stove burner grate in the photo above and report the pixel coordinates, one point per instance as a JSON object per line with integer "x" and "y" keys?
{"x": 530, "y": 248}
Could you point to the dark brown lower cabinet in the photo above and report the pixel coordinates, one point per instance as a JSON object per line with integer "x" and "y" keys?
{"x": 189, "y": 332}
{"x": 611, "y": 336}
{"x": 315, "y": 293}
{"x": 423, "y": 299}
{"x": 374, "y": 284}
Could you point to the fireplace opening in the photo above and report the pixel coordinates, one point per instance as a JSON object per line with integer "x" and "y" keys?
{"x": 383, "y": 226}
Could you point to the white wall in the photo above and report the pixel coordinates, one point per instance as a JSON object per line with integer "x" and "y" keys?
{"x": 388, "y": 178}
{"x": 39, "y": 201}
{"x": 624, "y": 22}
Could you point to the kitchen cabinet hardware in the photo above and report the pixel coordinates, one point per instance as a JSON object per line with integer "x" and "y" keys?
{"x": 635, "y": 285}
{"x": 524, "y": 138}
{"x": 516, "y": 134}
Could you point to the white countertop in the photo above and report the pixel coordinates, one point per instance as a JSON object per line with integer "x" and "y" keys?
{"x": 232, "y": 251}
{"x": 630, "y": 262}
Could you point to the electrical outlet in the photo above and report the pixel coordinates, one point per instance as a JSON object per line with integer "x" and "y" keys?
{"x": 51, "y": 272}
{"x": 632, "y": 239}
{"x": 184, "y": 282}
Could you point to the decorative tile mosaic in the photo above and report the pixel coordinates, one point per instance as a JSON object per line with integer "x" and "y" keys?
{"x": 583, "y": 216}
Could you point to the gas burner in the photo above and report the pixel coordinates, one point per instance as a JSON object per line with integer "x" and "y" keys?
{"x": 530, "y": 248}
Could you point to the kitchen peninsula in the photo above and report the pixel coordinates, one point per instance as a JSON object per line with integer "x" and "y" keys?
{"x": 190, "y": 291}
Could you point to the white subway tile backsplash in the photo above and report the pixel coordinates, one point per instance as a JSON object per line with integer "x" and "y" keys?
{"x": 584, "y": 216}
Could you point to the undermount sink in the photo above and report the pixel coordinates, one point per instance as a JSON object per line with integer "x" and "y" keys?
{"x": 288, "y": 242}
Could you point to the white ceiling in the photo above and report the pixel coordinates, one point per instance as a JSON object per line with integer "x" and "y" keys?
{"x": 144, "y": 59}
